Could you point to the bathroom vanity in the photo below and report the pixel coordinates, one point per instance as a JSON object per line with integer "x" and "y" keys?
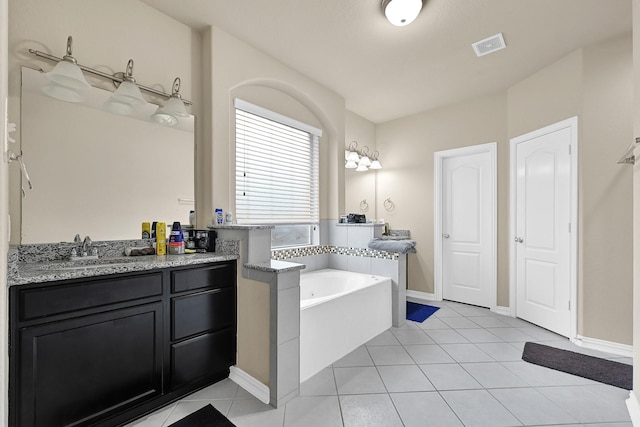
{"x": 101, "y": 350}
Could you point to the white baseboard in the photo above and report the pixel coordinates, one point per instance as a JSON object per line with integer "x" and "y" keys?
{"x": 606, "y": 346}
{"x": 249, "y": 383}
{"x": 633, "y": 406}
{"x": 505, "y": 311}
{"x": 417, "y": 296}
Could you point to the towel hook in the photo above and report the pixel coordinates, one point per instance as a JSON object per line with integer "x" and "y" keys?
{"x": 388, "y": 204}
{"x": 364, "y": 206}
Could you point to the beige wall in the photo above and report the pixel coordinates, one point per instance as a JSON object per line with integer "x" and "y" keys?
{"x": 548, "y": 96}
{"x": 105, "y": 36}
{"x": 237, "y": 67}
{"x": 360, "y": 186}
{"x": 409, "y": 145}
{"x": 606, "y": 192}
{"x": 234, "y": 69}
{"x": 593, "y": 83}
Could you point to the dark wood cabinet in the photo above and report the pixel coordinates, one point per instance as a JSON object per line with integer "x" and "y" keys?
{"x": 103, "y": 351}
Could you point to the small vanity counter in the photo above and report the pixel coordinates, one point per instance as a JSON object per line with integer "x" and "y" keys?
{"x": 51, "y": 271}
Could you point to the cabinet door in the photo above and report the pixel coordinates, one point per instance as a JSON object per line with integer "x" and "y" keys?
{"x": 78, "y": 371}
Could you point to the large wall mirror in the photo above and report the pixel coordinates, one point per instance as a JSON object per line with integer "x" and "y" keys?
{"x": 99, "y": 174}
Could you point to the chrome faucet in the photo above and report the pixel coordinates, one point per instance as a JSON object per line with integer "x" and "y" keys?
{"x": 86, "y": 245}
{"x": 85, "y": 249}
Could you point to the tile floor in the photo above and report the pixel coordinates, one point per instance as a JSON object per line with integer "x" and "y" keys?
{"x": 461, "y": 367}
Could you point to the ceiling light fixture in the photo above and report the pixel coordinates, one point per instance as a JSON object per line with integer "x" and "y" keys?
{"x": 401, "y": 12}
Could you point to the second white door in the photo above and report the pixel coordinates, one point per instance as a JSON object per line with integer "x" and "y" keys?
{"x": 543, "y": 226}
{"x": 468, "y": 200}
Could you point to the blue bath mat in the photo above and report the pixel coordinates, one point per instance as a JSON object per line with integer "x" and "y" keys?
{"x": 419, "y": 312}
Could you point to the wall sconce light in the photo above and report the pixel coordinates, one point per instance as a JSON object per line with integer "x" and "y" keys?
{"x": 401, "y": 12}
{"x": 67, "y": 81}
{"x": 173, "y": 109}
{"x": 359, "y": 159}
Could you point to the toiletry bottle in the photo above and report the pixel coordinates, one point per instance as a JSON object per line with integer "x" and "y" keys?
{"x": 161, "y": 238}
{"x": 146, "y": 230}
{"x": 153, "y": 229}
{"x": 192, "y": 217}
{"x": 219, "y": 216}
{"x": 176, "y": 240}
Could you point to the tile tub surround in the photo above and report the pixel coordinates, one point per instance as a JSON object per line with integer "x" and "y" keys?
{"x": 35, "y": 263}
{"x": 410, "y": 376}
{"x": 357, "y": 260}
{"x": 284, "y": 355}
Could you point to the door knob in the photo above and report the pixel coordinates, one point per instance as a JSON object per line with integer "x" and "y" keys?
{"x": 445, "y": 235}
{"x": 519, "y": 240}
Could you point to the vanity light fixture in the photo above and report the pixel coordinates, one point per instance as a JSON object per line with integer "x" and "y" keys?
{"x": 67, "y": 81}
{"x": 173, "y": 109}
{"x": 359, "y": 159}
{"x": 401, "y": 12}
{"x": 70, "y": 87}
{"x": 127, "y": 96}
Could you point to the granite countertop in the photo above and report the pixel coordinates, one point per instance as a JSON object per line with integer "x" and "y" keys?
{"x": 48, "y": 271}
{"x": 274, "y": 266}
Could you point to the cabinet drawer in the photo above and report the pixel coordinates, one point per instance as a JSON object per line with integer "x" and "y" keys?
{"x": 219, "y": 276}
{"x": 208, "y": 355}
{"x": 60, "y": 299}
{"x": 202, "y": 312}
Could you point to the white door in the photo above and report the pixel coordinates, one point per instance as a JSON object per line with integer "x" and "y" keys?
{"x": 543, "y": 228}
{"x": 467, "y": 229}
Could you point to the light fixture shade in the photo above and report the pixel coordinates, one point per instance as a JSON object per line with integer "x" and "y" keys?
{"x": 402, "y": 12}
{"x": 375, "y": 165}
{"x": 119, "y": 108}
{"x": 365, "y": 161}
{"x": 353, "y": 156}
{"x": 361, "y": 168}
{"x": 351, "y": 164}
{"x": 168, "y": 115}
{"x": 128, "y": 93}
{"x": 173, "y": 108}
{"x": 163, "y": 118}
{"x": 63, "y": 93}
{"x": 68, "y": 74}
{"x": 67, "y": 81}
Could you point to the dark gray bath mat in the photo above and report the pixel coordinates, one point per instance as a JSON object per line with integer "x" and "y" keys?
{"x": 601, "y": 370}
{"x": 207, "y": 416}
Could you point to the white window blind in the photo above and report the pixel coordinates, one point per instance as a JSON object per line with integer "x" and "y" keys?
{"x": 277, "y": 180}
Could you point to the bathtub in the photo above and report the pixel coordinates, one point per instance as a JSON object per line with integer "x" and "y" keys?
{"x": 339, "y": 311}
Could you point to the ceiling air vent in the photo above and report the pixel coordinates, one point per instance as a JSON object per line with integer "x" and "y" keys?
{"x": 489, "y": 45}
